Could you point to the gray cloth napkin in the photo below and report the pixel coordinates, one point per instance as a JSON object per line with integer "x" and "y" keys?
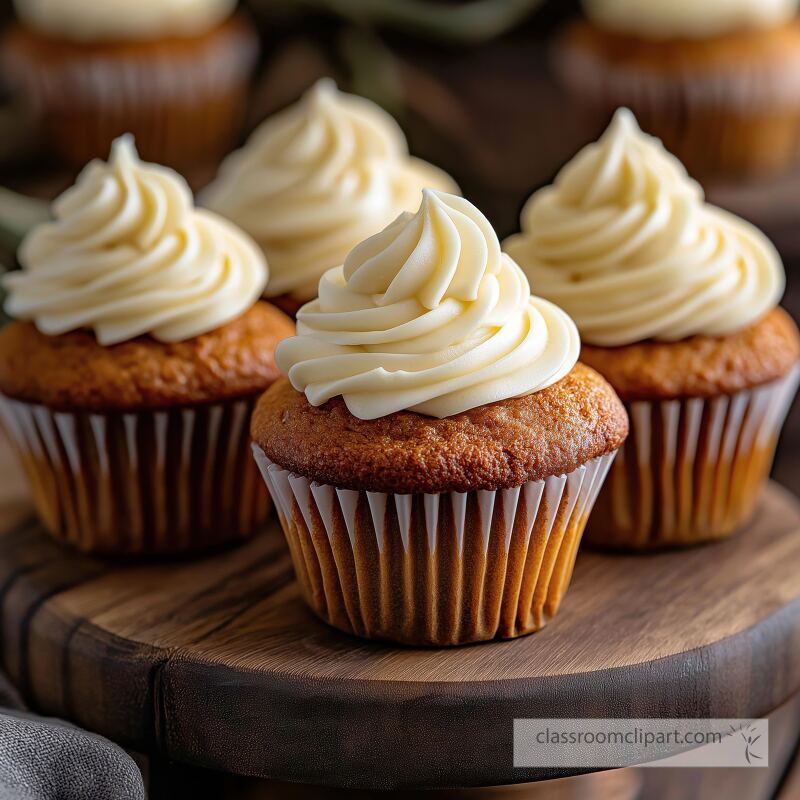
{"x": 46, "y": 759}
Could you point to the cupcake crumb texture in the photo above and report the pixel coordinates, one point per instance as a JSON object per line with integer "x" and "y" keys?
{"x": 74, "y": 372}
{"x": 497, "y": 446}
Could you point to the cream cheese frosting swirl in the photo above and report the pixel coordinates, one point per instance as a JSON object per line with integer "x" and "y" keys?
{"x": 128, "y": 254}
{"x": 104, "y": 20}
{"x": 428, "y": 315}
{"x": 625, "y": 242}
{"x": 688, "y": 19}
{"x": 315, "y": 180}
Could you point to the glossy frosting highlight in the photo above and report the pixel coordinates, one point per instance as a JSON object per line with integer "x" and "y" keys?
{"x": 108, "y": 20}
{"x": 688, "y": 19}
{"x": 127, "y": 254}
{"x": 428, "y": 315}
{"x": 625, "y": 242}
{"x": 315, "y": 180}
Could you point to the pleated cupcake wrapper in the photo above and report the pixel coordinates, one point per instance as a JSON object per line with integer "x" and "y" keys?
{"x": 435, "y": 569}
{"x": 182, "y": 107}
{"x": 749, "y": 86}
{"x": 153, "y": 482}
{"x": 98, "y": 80}
{"x": 691, "y": 470}
{"x": 725, "y": 120}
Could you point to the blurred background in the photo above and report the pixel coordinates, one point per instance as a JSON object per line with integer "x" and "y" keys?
{"x": 471, "y": 90}
{"x": 472, "y": 84}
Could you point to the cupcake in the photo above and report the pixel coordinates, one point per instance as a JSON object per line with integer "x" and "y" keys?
{"x": 436, "y": 449}
{"x": 127, "y": 382}
{"x": 676, "y": 302}
{"x": 314, "y": 181}
{"x": 715, "y": 79}
{"x": 172, "y": 72}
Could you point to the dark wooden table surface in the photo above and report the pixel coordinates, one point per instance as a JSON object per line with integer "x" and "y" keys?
{"x": 217, "y": 663}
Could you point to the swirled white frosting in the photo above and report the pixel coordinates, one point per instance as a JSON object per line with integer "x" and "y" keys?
{"x": 625, "y": 243}
{"x": 688, "y": 19}
{"x": 428, "y": 315}
{"x": 317, "y": 179}
{"x": 101, "y": 20}
{"x": 128, "y": 254}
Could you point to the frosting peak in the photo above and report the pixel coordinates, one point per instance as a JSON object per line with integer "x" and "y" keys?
{"x": 316, "y": 179}
{"x": 428, "y": 315}
{"x": 128, "y": 254}
{"x": 688, "y": 19}
{"x": 625, "y": 242}
{"x": 623, "y": 167}
{"x": 99, "y": 20}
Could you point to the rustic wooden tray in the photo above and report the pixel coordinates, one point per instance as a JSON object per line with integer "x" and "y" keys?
{"x": 216, "y": 662}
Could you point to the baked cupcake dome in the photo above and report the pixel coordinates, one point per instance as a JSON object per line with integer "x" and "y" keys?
{"x": 173, "y": 72}
{"x": 439, "y": 450}
{"x": 675, "y": 301}
{"x": 701, "y": 366}
{"x": 74, "y": 372}
{"x": 493, "y": 447}
{"x": 715, "y": 80}
{"x": 317, "y": 179}
{"x": 128, "y": 394}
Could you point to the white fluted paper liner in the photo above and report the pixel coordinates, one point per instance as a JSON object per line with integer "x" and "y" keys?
{"x": 152, "y": 482}
{"x": 437, "y": 569}
{"x": 758, "y": 87}
{"x": 691, "y": 470}
{"x": 106, "y": 81}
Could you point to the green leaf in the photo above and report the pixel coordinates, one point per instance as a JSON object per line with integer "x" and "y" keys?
{"x": 374, "y": 70}
{"x": 18, "y": 214}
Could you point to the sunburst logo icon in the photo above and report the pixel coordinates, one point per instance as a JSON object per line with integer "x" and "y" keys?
{"x": 750, "y": 737}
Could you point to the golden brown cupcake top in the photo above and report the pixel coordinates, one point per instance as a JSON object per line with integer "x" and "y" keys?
{"x": 73, "y": 372}
{"x": 496, "y": 446}
{"x": 701, "y": 366}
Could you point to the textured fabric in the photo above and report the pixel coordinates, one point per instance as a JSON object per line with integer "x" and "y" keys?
{"x": 46, "y": 759}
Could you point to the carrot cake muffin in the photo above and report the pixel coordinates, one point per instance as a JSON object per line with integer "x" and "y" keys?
{"x": 173, "y": 72}
{"x": 676, "y": 302}
{"x": 436, "y": 450}
{"x": 715, "y": 79}
{"x": 314, "y": 181}
{"x": 140, "y": 347}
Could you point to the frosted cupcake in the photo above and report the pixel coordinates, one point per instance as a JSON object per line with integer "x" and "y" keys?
{"x": 314, "y": 181}
{"x": 436, "y": 450}
{"x": 715, "y": 79}
{"x": 676, "y": 302}
{"x": 128, "y": 381}
{"x": 172, "y": 72}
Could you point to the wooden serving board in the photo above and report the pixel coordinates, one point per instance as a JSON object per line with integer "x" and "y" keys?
{"x": 216, "y": 662}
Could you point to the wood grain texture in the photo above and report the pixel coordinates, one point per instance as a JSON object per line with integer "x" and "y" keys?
{"x": 216, "y": 662}
{"x": 790, "y": 789}
{"x": 771, "y": 783}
